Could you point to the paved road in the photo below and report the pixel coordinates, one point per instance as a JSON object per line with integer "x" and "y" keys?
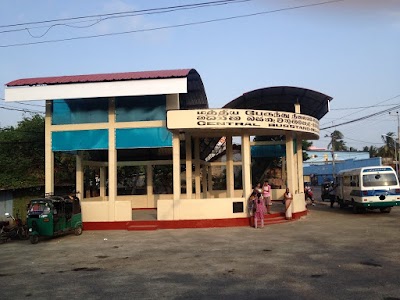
{"x": 329, "y": 254}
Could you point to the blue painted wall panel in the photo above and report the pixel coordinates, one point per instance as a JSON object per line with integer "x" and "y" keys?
{"x": 142, "y": 108}
{"x": 80, "y": 140}
{"x": 268, "y": 151}
{"x": 143, "y": 138}
{"x": 80, "y": 111}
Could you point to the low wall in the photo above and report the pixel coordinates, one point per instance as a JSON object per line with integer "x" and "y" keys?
{"x": 198, "y": 209}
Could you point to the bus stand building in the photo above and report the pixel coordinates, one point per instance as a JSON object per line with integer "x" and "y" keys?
{"x": 159, "y": 124}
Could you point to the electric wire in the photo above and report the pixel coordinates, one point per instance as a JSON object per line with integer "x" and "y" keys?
{"x": 124, "y": 12}
{"x": 95, "y": 22}
{"x": 172, "y": 26}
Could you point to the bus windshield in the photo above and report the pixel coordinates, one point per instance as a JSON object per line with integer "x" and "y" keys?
{"x": 379, "y": 180}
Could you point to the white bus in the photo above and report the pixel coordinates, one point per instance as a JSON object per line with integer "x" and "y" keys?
{"x": 368, "y": 187}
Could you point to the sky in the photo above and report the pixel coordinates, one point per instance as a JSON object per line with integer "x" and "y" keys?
{"x": 349, "y": 50}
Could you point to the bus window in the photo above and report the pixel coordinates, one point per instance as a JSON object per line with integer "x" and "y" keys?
{"x": 371, "y": 180}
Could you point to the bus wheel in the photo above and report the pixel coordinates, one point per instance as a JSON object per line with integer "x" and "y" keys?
{"x": 385, "y": 209}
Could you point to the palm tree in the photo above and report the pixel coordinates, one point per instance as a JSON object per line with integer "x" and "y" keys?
{"x": 337, "y": 143}
{"x": 389, "y": 149}
{"x": 373, "y": 151}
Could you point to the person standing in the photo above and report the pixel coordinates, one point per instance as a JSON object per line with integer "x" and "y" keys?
{"x": 332, "y": 194}
{"x": 257, "y": 189}
{"x": 259, "y": 211}
{"x": 252, "y": 203}
{"x": 266, "y": 190}
{"x": 288, "y": 198}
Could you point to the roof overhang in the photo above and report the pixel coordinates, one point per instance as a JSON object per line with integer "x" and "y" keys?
{"x": 284, "y": 98}
{"x": 186, "y": 82}
{"x": 97, "y": 89}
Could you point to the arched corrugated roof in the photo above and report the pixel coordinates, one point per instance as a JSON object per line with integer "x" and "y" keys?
{"x": 283, "y": 98}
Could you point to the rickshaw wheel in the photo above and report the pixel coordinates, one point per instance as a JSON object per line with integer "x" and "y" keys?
{"x": 78, "y": 230}
{"x": 34, "y": 239}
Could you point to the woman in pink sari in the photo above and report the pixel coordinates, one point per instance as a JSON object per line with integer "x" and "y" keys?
{"x": 259, "y": 211}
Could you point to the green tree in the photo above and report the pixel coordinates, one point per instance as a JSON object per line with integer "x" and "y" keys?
{"x": 305, "y": 145}
{"x": 22, "y": 154}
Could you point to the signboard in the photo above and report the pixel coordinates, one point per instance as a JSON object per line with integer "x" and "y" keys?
{"x": 241, "y": 118}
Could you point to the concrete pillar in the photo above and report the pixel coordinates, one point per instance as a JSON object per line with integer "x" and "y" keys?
{"x": 102, "y": 182}
{"x": 112, "y": 161}
{"x": 246, "y": 166}
{"x": 49, "y": 154}
{"x": 176, "y": 166}
{"x": 189, "y": 185}
{"x": 230, "y": 185}
{"x": 79, "y": 180}
{"x": 197, "y": 167}
{"x": 209, "y": 179}
{"x": 300, "y": 163}
{"x": 172, "y": 102}
{"x": 204, "y": 180}
{"x": 290, "y": 169}
{"x": 149, "y": 179}
{"x": 298, "y": 157}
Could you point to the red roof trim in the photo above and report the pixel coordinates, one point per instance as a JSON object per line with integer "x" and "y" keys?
{"x": 164, "y": 74}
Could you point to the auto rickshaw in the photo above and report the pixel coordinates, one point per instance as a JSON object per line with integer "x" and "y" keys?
{"x": 54, "y": 215}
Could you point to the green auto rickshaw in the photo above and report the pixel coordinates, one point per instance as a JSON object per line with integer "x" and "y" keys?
{"x": 54, "y": 215}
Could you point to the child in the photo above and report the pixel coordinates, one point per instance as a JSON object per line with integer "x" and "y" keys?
{"x": 259, "y": 211}
{"x": 252, "y": 203}
{"x": 266, "y": 189}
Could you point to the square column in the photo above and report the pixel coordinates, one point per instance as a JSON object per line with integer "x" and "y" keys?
{"x": 49, "y": 154}
{"x": 204, "y": 169}
{"x": 246, "y": 166}
{"x": 189, "y": 184}
{"x": 102, "y": 182}
{"x": 230, "y": 186}
{"x": 176, "y": 166}
{"x": 79, "y": 186}
{"x": 290, "y": 164}
{"x": 149, "y": 183}
{"x": 112, "y": 161}
{"x": 299, "y": 153}
{"x": 197, "y": 167}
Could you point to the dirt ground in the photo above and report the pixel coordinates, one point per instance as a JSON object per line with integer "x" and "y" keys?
{"x": 329, "y": 254}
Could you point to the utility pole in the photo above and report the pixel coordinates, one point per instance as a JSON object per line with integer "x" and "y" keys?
{"x": 333, "y": 158}
{"x": 397, "y": 142}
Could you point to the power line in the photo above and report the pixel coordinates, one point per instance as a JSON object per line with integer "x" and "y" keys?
{"x": 359, "y": 107}
{"x": 125, "y": 15}
{"x": 22, "y": 110}
{"x": 397, "y": 96}
{"x": 173, "y": 26}
{"x": 125, "y": 12}
{"x": 22, "y": 103}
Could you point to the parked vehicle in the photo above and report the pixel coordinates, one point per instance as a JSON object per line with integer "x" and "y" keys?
{"x": 16, "y": 230}
{"x": 325, "y": 189}
{"x": 368, "y": 188}
{"x": 53, "y": 216}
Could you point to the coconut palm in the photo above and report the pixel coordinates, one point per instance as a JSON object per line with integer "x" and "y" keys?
{"x": 388, "y": 150}
{"x": 337, "y": 143}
